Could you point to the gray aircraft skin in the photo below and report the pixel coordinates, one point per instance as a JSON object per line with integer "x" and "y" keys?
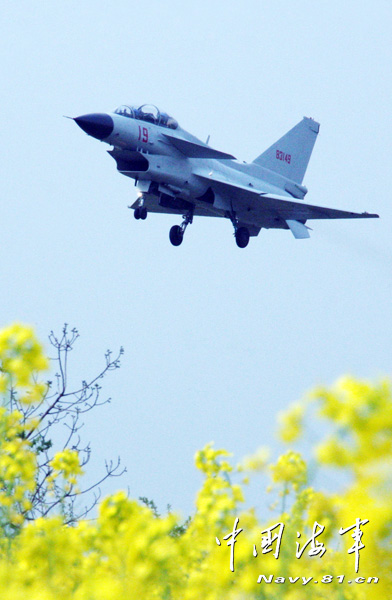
{"x": 178, "y": 174}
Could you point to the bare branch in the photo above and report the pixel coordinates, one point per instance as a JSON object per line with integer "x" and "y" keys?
{"x": 60, "y": 405}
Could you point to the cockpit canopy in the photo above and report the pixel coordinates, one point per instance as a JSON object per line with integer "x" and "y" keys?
{"x": 147, "y": 112}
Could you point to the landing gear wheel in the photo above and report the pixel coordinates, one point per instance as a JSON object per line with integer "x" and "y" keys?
{"x": 242, "y": 237}
{"x": 176, "y": 235}
{"x": 143, "y": 213}
{"x": 136, "y": 214}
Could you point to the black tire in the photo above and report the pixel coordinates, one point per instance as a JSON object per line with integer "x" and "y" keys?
{"x": 143, "y": 213}
{"x": 136, "y": 214}
{"x": 242, "y": 237}
{"x": 176, "y": 235}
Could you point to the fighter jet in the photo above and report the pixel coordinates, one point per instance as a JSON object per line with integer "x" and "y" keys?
{"x": 176, "y": 173}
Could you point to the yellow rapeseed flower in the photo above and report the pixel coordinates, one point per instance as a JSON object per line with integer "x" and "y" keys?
{"x": 128, "y": 552}
{"x": 291, "y": 423}
{"x": 290, "y": 469}
{"x": 66, "y": 463}
{"x": 255, "y": 462}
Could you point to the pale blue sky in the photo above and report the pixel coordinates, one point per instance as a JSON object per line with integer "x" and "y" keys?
{"x": 217, "y": 339}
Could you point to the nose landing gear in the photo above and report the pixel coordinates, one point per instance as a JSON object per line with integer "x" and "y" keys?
{"x": 176, "y": 233}
{"x": 140, "y": 213}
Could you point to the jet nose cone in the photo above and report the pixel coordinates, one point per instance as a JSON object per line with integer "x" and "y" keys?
{"x": 98, "y": 125}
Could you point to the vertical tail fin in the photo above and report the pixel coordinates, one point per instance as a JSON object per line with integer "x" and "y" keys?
{"x": 290, "y": 155}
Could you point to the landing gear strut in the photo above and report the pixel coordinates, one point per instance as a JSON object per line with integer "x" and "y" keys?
{"x": 176, "y": 233}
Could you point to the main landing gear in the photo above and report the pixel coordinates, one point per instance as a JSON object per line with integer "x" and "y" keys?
{"x": 241, "y": 234}
{"x": 176, "y": 233}
{"x": 242, "y": 237}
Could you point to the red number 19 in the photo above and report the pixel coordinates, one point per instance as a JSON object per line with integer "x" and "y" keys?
{"x": 143, "y": 134}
